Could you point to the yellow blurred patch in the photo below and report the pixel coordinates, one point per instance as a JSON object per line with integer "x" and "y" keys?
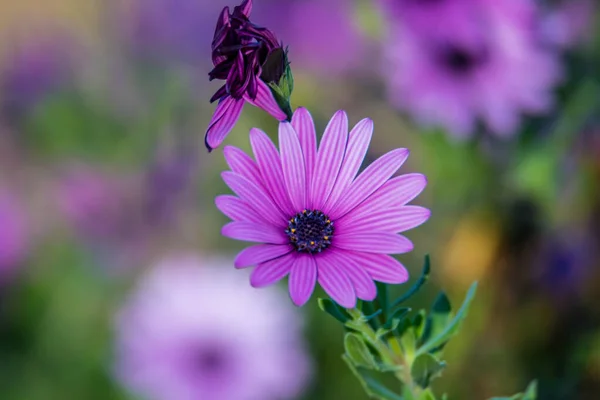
{"x": 471, "y": 250}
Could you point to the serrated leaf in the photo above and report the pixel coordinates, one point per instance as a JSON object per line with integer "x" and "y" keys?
{"x": 371, "y": 382}
{"x": 358, "y": 352}
{"x": 452, "y": 327}
{"x": 529, "y": 394}
{"x": 418, "y": 284}
{"x": 334, "y": 310}
{"x": 425, "y": 368}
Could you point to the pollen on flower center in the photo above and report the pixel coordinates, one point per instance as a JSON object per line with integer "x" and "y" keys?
{"x": 310, "y": 231}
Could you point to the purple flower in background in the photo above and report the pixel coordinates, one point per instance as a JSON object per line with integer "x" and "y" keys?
{"x": 453, "y": 63}
{"x": 194, "y": 330}
{"x": 247, "y": 57}
{"x": 14, "y": 237}
{"x": 322, "y": 35}
{"x": 318, "y": 220}
{"x": 569, "y": 22}
{"x": 34, "y": 69}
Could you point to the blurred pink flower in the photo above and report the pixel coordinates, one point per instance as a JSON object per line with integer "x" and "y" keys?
{"x": 14, "y": 235}
{"x": 193, "y": 329}
{"x": 452, "y": 63}
{"x": 318, "y": 220}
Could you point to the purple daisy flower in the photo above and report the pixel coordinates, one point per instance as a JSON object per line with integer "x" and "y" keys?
{"x": 194, "y": 330}
{"x": 317, "y": 221}
{"x": 453, "y": 63}
{"x": 248, "y": 58}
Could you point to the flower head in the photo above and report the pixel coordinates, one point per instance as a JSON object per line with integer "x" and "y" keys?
{"x": 453, "y": 63}
{"x": 194, "y": 330}
{"x": 317, "y": 220}
{"x": 251, "y": 62}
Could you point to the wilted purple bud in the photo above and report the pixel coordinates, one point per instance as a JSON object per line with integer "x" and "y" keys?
{"x": 254, "y": 67}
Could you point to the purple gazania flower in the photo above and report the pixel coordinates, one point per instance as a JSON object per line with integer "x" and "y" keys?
{"x": 194, "y": 330}
{"x": 317, "y": 221}
{"x": 248, "y": 58}
{"x": 454, "y": 63}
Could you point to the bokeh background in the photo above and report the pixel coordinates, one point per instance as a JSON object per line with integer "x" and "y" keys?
{"x": 106, "y": 194}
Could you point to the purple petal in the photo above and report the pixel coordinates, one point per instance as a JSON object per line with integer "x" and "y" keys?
{"x": 237, "y": 209}
{"x": 246, "y": 8}
{"x": 269, "y": 164}
{"x": 226, "y": 115}
{"x": 361, "y": 281}
{"x": 329, "y": 159}
{"x": 373, "y": 242}
{"x": 358, "y": 143}
{"x": 292, "y": 161}
{"x": 334, "y": 280}
{"x": 302, "y": 279}
{"x": 272, "y": 271}
{"x": 396, "y": 192}
{"x": 253, "y": 232}
{"x": 259, "y": 254}
{"x": 305, "y": 128}
{"x": 242, "y": 164}
{"x": 369, "y": 181}
{"x": 265, "y": 100}
{"x": 381, "y": 267}
{"x": 394, "y": 220}
{"x": 255, "y": 197}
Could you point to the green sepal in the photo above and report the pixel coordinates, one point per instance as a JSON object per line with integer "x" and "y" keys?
{"x": 425, "y": 368}
{"x": 331, "y": 308}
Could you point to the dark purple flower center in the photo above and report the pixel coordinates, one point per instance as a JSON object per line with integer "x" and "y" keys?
{"x": 210, "y": 360}
{"x": 310, "y": 231}
{"x": 460, "y": 60}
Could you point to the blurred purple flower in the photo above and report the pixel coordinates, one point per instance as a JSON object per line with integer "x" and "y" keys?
{"x": 453, "y": 63}
{"x": 322, "y": 35}
{"x": 316, "y": 218}
{"x": 569, "y": 23}
{"x": 34, "y": 69}
{"x": 14, "y": 237}
{"x": 195, "y": 330}
{"x": 247, "y": 57}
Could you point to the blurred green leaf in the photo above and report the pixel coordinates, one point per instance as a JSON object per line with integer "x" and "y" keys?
{"x": 452, "y": 327}
{"x": 331, "y": 308}
{"x": 427, "y": 394}
{"x": 425, "y": 368}
{"x": 529, "y": 394}
{"x": 358, "y": 352}
{"x": 441, "y": 313}
{"x": 394, "y": 319}
{"x": 371, "y": 382}
{"x": 415, "y": 288}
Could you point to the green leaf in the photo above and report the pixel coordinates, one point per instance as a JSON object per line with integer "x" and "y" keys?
{"x": 452, "y": 327}
{"x": 425, "y": 368}
{"x": 395, "y": 318}
{"x": 415, "y": 288}
{"x": 382, "y": 296}
{"x": 371, "y": 382}
{"x": 358, "y": 352}
{"x": 529, "y": 394}
{"x": 441, "y": 313}
{"x": 334, "y": 310}
{"x": 375, "y": 314}
{"x": 426, "y": 395}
